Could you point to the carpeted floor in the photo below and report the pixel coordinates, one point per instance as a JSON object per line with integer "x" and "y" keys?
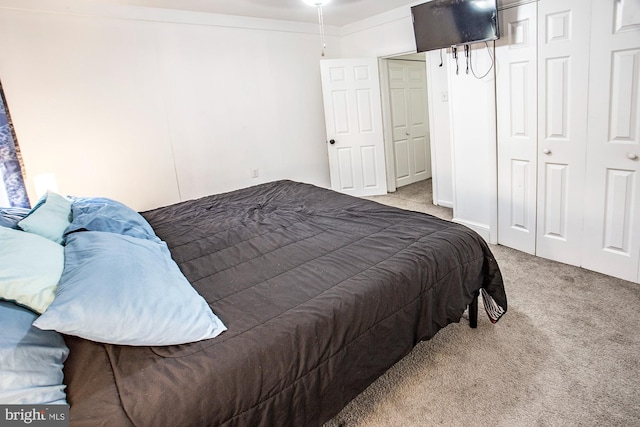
{"x": 567, "y": 353}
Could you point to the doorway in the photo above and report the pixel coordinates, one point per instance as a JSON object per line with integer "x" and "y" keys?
{"x": 344, "y": 91}
{"x": 406, "y": 119}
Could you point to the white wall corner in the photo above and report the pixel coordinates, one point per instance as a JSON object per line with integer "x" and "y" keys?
{"x": 106, "y": 9}
{"x": 377, "y": 20}
{"x": 386, "y": 34}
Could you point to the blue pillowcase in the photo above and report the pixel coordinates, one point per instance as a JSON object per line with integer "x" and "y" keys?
{"x": 49, "y": 217}
{"x": 9, "y": 217}
{"x": 102, "y": 214}
{"x": 31, "y": 359}
{"x": 123, "y": 290}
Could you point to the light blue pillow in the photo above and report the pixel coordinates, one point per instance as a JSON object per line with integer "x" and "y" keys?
{"x": 123, "y": 290}
{"x": 30, "y": 268}
{"x": 49, "y": 218}
{"x": 102, "y": 214}
{"x": 31, "y": 360}
{"x": 9, "y": 217}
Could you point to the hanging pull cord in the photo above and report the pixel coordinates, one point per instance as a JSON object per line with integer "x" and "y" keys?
{"x": 321, "y": 24}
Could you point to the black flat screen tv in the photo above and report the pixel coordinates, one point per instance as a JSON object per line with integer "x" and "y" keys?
{"x": 444, "y": 23}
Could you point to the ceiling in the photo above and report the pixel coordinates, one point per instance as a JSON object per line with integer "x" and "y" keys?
{"x": 336, "y": 12}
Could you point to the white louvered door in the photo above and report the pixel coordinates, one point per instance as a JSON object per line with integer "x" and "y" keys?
{"x": 612, "y": 204}
{"x": 516, "y": 83}
{"x": 563, "y": 84}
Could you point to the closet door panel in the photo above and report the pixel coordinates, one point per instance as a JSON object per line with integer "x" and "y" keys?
{"x": 563, "y": 62}
{"x": 516, "y": 94}
{"x": 556, "y": 201}
{"x": 612, "y": 205}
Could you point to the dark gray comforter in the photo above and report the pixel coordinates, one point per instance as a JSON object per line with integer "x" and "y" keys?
{"x": 321, "y": 293}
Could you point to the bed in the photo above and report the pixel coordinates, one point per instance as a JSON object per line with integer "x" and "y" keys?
{"x": 319, "y": 292}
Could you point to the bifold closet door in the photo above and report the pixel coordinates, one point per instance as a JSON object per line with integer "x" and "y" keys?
{"x": 409, "y": 121}
{"x": 563, "y": 83}
{"x": 516, "y": 103}
{"x": 612, "y": 204}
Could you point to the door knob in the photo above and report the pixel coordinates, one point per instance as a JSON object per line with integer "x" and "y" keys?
{"x": 332, "y": 141}
{"x": 632, "y": 156}
{"x": 546, "y": 151}
{"x": 408, "y": 133}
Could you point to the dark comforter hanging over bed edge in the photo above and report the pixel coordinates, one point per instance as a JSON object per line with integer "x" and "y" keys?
{"x": 321, "y": 293}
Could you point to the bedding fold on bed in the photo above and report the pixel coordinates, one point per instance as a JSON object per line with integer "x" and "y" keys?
{"x": 320, "y": 292}
{"x": 95, "y": 398}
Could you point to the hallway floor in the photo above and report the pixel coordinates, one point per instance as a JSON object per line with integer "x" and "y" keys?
{"x": 415, "y": 197}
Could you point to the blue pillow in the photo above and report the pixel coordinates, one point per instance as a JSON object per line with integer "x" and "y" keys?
{"x": 123, "y": 290}
{"x": 102, "y": 214}
{"x": 49, "y": 217}
{"x": 30, "y": 268}
{"x": 9, "y": 217}
{"x": 31, "y": 359}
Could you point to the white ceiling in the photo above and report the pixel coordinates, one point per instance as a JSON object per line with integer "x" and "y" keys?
{"x": 336, "y": 12}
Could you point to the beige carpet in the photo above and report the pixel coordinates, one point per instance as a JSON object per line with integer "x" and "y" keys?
{"x": 567, "y": 353}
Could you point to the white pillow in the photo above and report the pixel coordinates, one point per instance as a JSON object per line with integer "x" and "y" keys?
{"x": 30, "y": 268}
{"x": 49, "y": 217}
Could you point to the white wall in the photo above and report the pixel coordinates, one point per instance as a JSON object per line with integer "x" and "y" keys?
{"x": 440, "y": 114}
{"x": 474, "y": 144}
{"x": 153, "y": 106}
{"x": 463, "y": 128}
{"x": 390, "y": 33}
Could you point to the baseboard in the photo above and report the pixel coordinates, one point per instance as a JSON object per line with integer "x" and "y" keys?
{"x": 482, "y": 229}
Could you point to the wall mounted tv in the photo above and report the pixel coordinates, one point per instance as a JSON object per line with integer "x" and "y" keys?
{"x": 444, "y": 23}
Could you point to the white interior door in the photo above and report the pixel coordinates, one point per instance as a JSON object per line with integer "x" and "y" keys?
{"x": 563, "y": 83}
{"x": 612, "y": 204}
{"x": 353, "y": 116}
{"x": 409, "y": 121}
{"x": 516, "y": 103}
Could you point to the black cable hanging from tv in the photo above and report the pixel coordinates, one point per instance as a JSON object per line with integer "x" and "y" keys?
{"x": 454, "y": 52}
{"x": 467, "y": 56}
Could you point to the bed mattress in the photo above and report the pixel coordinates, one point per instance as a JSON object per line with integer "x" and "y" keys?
{"x": 321, "y": 293}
